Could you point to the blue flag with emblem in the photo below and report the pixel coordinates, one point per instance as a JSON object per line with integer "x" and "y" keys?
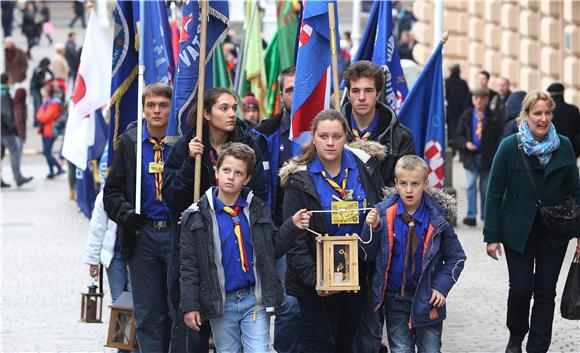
{"x": 422, "y": 112}
{"x": 123, "y": 108}
{"x": 155, "y": 33}
{"x": 186, "y": 78}
{"x": 378, "y": 45}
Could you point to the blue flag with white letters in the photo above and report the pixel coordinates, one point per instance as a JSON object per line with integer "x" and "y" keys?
{"x": 378, "y": 45}
{"x": 186, "y": 78}
{"x": 422, "y": 112}
{"x": 157, "y": 55}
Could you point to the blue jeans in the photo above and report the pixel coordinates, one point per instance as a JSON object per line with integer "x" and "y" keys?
{"x": 118, "y": 276}
{"x": 244, "y": 325}
{"x": 401, "y": 339}
{"x": 472, "y": 176}
{"x": 148, "y": 271}
{"x": 47, "y": 152}
{"x": 287, "y": 323}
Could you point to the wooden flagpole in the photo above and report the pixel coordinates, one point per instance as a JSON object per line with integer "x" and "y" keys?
{"x": 200, "y": 96}
{"x": 333, "y": 49}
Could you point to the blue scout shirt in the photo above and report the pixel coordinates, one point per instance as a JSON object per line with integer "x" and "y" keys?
{"x": 325, "y": 191}
{"x": 235, "y": 277}
{"x": 150, "y": 206}
{"x": 372, "y": 127}
{"x": 421, "y": 219}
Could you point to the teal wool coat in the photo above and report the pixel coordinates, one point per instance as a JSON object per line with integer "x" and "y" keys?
{"x": 510, "y": 207}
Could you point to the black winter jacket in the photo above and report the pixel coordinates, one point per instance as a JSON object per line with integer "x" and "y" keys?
{"x": 119, "y": 192}
{"x": 8, "y": 124}
{"x": 567, "y": 121}
{"x": 300, "y": 193}
{"x": 491, "y": 137}
{"x": 392, "y": 134}
{"x": 202, "y": 272}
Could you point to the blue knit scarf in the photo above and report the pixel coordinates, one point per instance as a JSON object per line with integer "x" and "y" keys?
{"x": 543, "y": 150}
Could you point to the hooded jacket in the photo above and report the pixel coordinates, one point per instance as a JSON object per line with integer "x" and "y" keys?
{"x": 300, "y": 192}
{"x": 443, "y": 257}
{"x": 391, "y": 133}
{"x": 202, "y": 271}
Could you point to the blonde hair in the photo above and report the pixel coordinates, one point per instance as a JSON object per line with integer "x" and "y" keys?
{"x": 309, "y": 150}
{"x": 411, "y": 163}
{"x": 531, "y": 99}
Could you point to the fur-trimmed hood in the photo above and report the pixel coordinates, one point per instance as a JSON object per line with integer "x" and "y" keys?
{"x": 446, "y": 201}
{"x": 363, "y": 150}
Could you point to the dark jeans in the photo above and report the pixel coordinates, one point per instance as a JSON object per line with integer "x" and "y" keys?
{"x": 47, "y": 152}
{"x": 402, "y": 340}
{"x": 328, "y": 324}
{"x": 148, "y": 271}
{"x": 186, "y": 340}
{"x": 287, "y": 323}
{"x": 535, "y": 272}
{"x": 370, "y": 330}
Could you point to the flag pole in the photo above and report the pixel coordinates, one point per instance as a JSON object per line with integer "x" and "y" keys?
{"x": 200, "y": 96}
{"x": 140, "y": 88}
{"x": 333, "y": 49}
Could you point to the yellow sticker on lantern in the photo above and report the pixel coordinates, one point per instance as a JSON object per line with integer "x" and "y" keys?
{"x": 346, "y": 216}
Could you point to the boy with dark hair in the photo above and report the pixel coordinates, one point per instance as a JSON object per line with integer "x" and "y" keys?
{"x": 417, "y": 255}
{"x": 229, "y": 277}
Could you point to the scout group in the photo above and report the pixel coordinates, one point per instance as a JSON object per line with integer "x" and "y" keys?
{"x": 246, "y": 250}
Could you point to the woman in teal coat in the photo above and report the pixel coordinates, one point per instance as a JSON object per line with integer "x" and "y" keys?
{"x": 534, "y": 255}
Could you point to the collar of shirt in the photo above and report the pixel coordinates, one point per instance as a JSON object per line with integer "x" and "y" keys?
{"x": 420, "y": 216}
{"x": 348, "y": 161}
{"x": 219, "y": 205}
{"x": 285, "y": 123}
{"x": 372, "y": 127}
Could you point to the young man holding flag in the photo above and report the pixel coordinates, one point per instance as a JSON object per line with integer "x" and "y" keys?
{"x": 370, "y": 119}
{"x": 145, "y": 236}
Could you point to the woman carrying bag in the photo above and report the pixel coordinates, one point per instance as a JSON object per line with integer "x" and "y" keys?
{"x": 534, "y": 251}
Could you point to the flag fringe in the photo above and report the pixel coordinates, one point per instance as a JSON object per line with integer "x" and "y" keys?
{"x": 116, "y": 102}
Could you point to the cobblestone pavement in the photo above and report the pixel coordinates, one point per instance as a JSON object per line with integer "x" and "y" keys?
{"x": 43, "y": 237}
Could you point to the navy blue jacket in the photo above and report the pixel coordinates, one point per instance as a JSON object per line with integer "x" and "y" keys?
{"x": 443, "y": 259}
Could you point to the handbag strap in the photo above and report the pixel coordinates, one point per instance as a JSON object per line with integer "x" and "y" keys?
{"x": 528, "y": 172}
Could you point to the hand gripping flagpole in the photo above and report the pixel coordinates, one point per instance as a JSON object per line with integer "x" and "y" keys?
{"x": 200, "y": 96}
{"x": 333, "y": 49}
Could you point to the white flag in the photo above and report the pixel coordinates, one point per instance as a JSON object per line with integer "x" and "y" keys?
{"x": 92, "y": 91}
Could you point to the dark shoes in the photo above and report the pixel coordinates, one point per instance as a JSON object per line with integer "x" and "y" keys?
{"x": 472, "y": 222}
{"x": 513, "y": 347}
{"x": 5, "y": 185}
{"x": 52, "y": 175}
{"x": 23, "y": 181}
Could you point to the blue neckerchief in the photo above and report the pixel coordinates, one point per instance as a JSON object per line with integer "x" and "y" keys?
{"x": 543, "y": 150}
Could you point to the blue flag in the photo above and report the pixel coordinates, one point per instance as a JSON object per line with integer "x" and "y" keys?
{"x": 85, "y": 182}
{"x": 379, "y": 46}
{"x": 185, "y": 87}
{"x": 123, "y": 106}
{"x": 157, "y": 56}
{"x": 422, "y": 112}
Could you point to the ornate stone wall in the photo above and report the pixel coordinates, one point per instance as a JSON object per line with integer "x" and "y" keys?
{"x": 533, "y": 43}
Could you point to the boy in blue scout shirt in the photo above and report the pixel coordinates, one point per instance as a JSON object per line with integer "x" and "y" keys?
{"x": 417, "y": 255}
{"x": 229, "y": 246}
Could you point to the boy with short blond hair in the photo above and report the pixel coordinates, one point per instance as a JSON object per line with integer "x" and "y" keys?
{"x": 229, "y": 246}
{"x": 423, "y": 258}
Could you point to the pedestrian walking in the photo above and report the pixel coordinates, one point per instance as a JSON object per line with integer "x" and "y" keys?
{"x": 10, "y": 138}
{"x": 566, "y": 116}
{"x": 477, "y": 137}
{"x": 78, "y": 7}
{"x": 37, "y": 82}
{"x": 15, "y": 60}
{"x": 31, "y": 25}
{"x": 458, "y": 100}
{"x": 498, "y": 103}
{"x": 7, "y": 8}
{"x": 47, "y": 28}
{"x": 59, "y": 65}
{"x": 229, "y": 278}
{"x": 534, "y": 254}
{"x": 326, "y": 171}
{"x": 47, "y": 115}
{"x": 71, "y": 54}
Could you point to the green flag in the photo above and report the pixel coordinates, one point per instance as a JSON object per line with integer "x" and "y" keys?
{"x": 287, "y": 31}
{"x": 254, "y": 70}
{"x": 273, "y": 69}
{"x": 221, "y": 75}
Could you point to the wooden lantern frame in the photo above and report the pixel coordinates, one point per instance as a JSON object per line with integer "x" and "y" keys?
{"x": 325, "y": 266}
{"x": 85, "y": 307}
{"x": 117, "y": 327}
